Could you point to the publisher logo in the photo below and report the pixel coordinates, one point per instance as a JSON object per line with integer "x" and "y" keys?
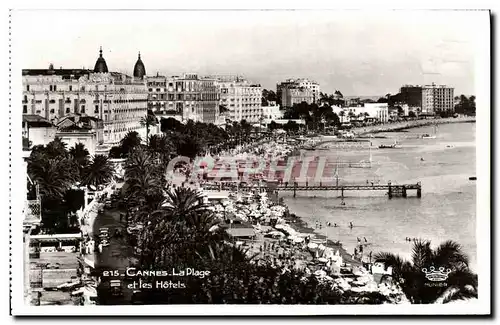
{"x": 434, "y": 275}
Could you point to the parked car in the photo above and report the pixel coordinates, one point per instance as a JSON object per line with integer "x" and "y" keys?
{"x": 116, "y": 287}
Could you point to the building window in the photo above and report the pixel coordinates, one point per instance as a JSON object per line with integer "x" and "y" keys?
{"x": 25, "y": 109}
{"x": 52, "y": 101}
{"x": 52, "y": 111}
{"x": 82, "y": 109}
{"x": 96, "y": 109}
{"x": 55, "y": 88}
{"x": 70, "y": 88}
{"x": 67, "y": 110}
{"x": 27, "y": 87}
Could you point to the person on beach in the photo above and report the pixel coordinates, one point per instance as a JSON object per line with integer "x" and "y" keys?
{"x": 335, "y": 225}
{"x": 365, "y": 239}
{"x": 350, "y": 225}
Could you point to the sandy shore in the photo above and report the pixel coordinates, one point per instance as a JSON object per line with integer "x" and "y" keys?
{"x": 297, "y": 223}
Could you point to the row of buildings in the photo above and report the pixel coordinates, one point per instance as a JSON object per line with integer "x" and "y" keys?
{"x": 103, "y": 105}
{"x": 98, "y": 106}
{"x": 428, "y": 99}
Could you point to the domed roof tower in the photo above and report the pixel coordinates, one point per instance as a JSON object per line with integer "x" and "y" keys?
{"x": 100, "y": 65}
{"x": 139, "y": 69}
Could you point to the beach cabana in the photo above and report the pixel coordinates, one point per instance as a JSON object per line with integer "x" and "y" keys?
{"x": 241, "y": 233}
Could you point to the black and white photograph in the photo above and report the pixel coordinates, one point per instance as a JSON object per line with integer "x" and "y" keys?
{"x": 287, "y": 162}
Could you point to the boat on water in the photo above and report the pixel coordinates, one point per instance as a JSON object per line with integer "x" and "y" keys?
{"x": 472, "y": 178}
{"x": 430, "y": 136}
{"x": 395, "y": 145}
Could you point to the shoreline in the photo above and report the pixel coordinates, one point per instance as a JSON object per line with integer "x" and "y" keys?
{"x": 398, "y": 126}
{"x": 298, "y": 222}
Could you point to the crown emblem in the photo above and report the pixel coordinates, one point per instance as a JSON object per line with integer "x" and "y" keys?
{"x": 436, "y": 275}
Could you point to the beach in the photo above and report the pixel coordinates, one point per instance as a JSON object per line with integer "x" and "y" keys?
{"x": 448, "y": 162}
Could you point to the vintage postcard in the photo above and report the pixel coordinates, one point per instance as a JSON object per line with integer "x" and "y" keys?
{"x": 315, "y": 162}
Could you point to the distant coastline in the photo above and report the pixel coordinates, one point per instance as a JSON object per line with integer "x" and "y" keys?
{"x": 398, "y": 126}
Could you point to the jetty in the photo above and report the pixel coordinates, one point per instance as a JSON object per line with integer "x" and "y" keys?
{"x": 392, "y": 190}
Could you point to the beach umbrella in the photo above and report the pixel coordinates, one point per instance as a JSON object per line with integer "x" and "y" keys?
{"x": 312, "y": 245}
{"x": 320, "y": 273}
{"x": 298, "y": 239}
{"x": 322, "y": 260}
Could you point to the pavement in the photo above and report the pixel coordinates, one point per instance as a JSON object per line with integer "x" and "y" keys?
{"x": 114, "y": 257}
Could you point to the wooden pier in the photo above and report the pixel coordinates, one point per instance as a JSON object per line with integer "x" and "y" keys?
{"x": 392, "y": 190}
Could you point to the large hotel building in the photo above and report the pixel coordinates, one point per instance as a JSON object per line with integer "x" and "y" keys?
{"x": 437, "y": 98}
{"x": 296, "y": 91}
{"x": 430, "y": 99}
{"x": 242, "y": 99}
{"x": 187, "y": 97}
{"x": 118, "y": 100}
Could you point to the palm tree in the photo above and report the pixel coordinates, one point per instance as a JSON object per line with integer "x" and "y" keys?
{"x": 461, "y": 283}
{"x": 98, "y": 172}
{"x": 56, "y": 149}
{"x": 81, "y": 156}
{"x": 149, "y": 120}
{"x": 162, "y": 146}
{"x": 184, "y": 202}
{"x": 131, "y": 141}
{"x": 55, "y": 176}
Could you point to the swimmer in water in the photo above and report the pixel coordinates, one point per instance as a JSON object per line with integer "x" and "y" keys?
{"x": 350, "y": 224}
{"x": 365, "y": 239}
{"x": 335, "y": 225}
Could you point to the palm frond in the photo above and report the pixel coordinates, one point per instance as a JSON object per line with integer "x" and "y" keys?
{"x": 422, "y": 254}
{"x": 450, "y": 254}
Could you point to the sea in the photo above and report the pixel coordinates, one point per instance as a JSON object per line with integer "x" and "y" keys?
{"x": 445, "y": 211}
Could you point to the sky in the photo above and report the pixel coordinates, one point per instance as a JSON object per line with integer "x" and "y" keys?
{"x": 360, "y": 53}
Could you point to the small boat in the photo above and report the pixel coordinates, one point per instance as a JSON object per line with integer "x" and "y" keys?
{"x": 389, "y": 146}
{"x": 429, "y": 136}
{"x": 472, "y": 178}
